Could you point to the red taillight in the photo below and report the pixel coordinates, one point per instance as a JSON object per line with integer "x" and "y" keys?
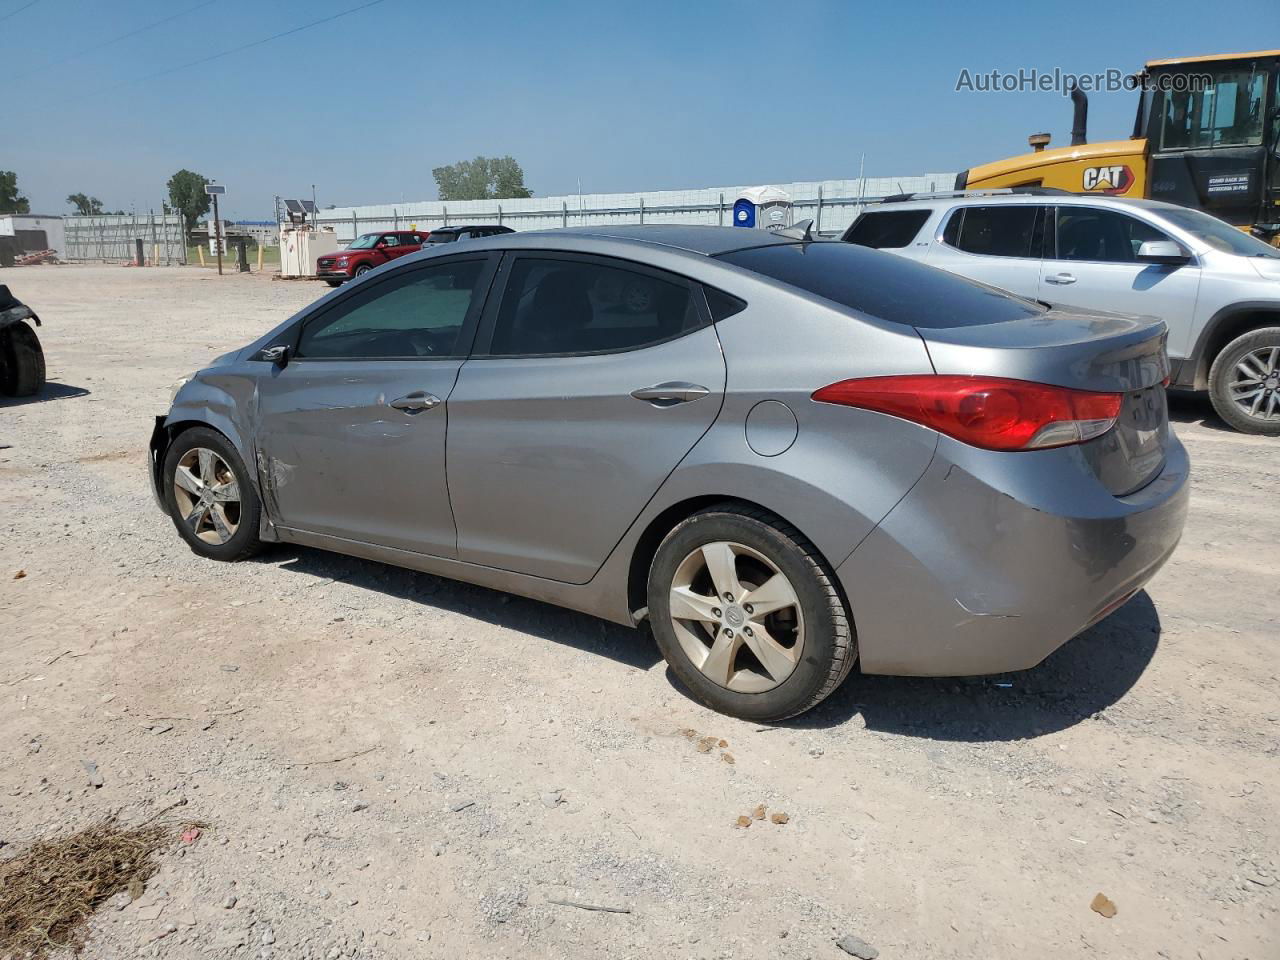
{"x": 989, "y": 412}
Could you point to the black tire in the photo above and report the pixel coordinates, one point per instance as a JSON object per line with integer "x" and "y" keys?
{"x": 23, "y": 366}
{"x": 244, "y": 543}
{"x": 830, "y": 645}
{"x": 362, "y": 269}
{"x": 1222, "y": 373}
{"x": 334, "y": 283}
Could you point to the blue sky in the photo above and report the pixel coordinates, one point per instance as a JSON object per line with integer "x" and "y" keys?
{"x": 626, "y": 96}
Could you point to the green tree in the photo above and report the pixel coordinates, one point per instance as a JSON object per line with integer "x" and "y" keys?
{"x": 11, "y": 201}
{"x": 484, "y": 178}
{"x": 187, "y": 196}
{"x": 85, "y": 205}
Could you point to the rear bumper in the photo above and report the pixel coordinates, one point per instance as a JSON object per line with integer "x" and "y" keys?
{"x": 993, "y": 561}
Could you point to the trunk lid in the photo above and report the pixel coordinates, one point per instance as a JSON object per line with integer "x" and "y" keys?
{"x": 1105, "y": 353}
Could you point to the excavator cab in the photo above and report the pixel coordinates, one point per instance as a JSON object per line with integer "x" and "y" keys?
{"x": 1206, "y": 135}
{"x": 1212, "y": 126}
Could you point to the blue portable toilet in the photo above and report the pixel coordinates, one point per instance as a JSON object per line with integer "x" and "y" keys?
{"x": 765, "y": 207}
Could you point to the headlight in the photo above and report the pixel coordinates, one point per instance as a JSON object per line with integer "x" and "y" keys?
{"x": 177, "y": 385}
{"x": 342, "y": 261}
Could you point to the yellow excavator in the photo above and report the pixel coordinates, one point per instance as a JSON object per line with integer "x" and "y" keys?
{"x": 1206, "y": 135}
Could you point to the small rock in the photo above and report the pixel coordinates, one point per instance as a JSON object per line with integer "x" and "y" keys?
{"x": 857, "y": 947}
{"x": 727, "y": 757}
{"x": 1103, "y": 907}
{"x": 228, "y": 668}
{"x": 816, "y": 752}
{"x": 268, "y": 936}
{"x": 779, "y": 818}
{"x": 229, "y": 902}
{"x": 744, "y": 821}
{"x": 438, "y": 849}
{"x": 551, "y": 799}
{"x": 462, "y": 805}
{"x": 20, "y": 575}
{"x": 95, "y": 778}
{"x": 759, "y": 812}
{"x": 359, "y": 806}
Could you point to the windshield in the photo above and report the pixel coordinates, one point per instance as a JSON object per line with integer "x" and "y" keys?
{"x": 1218, "y": 234}
{"x": 364, "y": 242}
{"x": 884, "y": 285}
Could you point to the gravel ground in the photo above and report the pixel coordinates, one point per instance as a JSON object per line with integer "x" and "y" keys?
{"x": 399, "y": 766}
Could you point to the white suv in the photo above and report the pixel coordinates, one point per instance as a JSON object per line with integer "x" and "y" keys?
{"x": 1217, "y": 288}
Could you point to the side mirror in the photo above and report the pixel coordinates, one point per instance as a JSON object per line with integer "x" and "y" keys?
{"x": 279, "y": 354}
{"x": 1162, "y": 251}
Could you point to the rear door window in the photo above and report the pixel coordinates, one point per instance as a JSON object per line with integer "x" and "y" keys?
{"x": 1012, "y": 230}
{"x": 886, "y": 229}
{"x": 589, "y": 305}
{"x": 884, "y": 285}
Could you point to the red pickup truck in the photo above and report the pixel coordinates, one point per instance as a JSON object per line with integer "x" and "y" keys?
{"x": 367, "y": 251}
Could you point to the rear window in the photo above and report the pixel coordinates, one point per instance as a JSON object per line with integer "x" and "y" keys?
{"x": 1003, "y": 231}
{"x": 885, "y": 230}
{"x": 884, "y": 285}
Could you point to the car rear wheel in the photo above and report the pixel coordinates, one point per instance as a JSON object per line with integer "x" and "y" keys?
{"x": 22, "y": 373}
{"x": 210, "y": 496}
{"x": 1244, "y": 382}
{"x": 747, "y": 614}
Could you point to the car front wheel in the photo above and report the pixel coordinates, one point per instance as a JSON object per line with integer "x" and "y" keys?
{"x": 210, "y": 497}
{"x": 1244, "y": 382}
{"x": 747, "y": 614}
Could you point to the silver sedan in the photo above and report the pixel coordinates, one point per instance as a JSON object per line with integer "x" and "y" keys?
{"x": 787, "y": 456}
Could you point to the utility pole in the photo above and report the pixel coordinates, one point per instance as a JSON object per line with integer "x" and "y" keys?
{"x": 217, "y": 228}
{"x": 214, "y": 190}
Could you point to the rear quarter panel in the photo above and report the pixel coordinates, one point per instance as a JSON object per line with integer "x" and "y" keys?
{"x": 845, "y": 468}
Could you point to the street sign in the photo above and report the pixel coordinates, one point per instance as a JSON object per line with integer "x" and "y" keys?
{"x": 214, "y": 189}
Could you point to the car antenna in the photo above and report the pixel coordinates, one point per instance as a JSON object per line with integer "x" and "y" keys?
{"x": 800, "y": 231}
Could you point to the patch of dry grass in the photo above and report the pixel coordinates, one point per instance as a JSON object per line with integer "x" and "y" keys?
{"x": 49, "y": 892}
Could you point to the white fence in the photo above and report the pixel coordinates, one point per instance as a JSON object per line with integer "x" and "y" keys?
{"x": 832, "y": 204}
{"x": 111, "y": 237}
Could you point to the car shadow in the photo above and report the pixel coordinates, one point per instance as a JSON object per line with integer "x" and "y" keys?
{"x": 1185, "y": 407}
{"x": 632, "y": 648}
{"x": 1081, "y": 678}
{"x": 52, "y": 390}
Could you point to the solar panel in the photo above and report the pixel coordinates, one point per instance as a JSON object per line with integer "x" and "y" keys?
{"x": 295, "y": 206}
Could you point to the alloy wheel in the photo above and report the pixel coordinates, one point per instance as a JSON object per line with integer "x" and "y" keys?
{"x": 737, "y": 617}
{"x": 207, "y": 494}
{"x": 1255, "y": 383}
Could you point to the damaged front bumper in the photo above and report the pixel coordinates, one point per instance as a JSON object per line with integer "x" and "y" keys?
{"x": 155, "y": 459}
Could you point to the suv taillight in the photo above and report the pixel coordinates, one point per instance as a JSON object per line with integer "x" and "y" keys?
{"x": 989, "y": 412}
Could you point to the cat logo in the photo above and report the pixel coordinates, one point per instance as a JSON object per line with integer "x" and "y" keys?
{"x": 1109, "y": 180}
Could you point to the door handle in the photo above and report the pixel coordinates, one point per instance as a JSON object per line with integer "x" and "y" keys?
{"x": 415, "y": 402}
{"x": 1060, "y": 279}
{"x": 670, "y": 393}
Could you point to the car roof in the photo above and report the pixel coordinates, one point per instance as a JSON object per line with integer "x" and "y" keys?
{"x": 708, "y": 241}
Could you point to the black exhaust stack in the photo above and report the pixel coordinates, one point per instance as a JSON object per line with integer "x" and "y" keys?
{"x": 1079, "y": 117}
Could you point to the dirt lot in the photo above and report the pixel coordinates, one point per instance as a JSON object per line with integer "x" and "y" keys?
{"x": 399, "y": 766}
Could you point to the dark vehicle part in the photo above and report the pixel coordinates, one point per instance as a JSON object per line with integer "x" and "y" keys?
{"x": 22, "y": 369}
